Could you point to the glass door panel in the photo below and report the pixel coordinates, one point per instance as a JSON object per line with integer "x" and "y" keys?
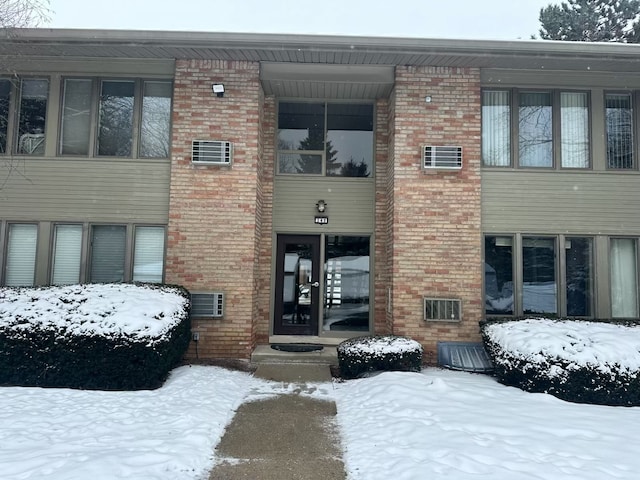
{"x": 346, "y": 284}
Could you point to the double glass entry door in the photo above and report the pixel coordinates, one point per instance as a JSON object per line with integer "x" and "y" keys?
{"x": 321, "y": 279}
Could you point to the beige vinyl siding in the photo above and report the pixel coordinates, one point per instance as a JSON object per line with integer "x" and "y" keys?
{"x": 587, "y": 203}
{"x": 96, "y": 190}
{"x": 350, "y": 205}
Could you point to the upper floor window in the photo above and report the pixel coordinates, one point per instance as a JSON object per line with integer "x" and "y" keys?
{"x": 619, "y": 121}
{"x": 27, "y": 136}
{"x": 549, "y": 128}
{"x": 325, "y": 139}
{"x": 130, "y": 118}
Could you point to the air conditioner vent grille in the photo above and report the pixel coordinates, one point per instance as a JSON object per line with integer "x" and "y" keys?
{"x": 213, "y": 152}
{"x": 442, "y": 157}
{"x": 207, "y": 305}
{"x": 442, "y": 310}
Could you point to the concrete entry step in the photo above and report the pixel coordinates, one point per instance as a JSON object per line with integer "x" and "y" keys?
{"x": 264, "y": 354}
{"x": 298, "y": 373}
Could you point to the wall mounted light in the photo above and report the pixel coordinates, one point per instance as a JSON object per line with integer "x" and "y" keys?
{"x": 218, "y": 89}
{"x": 321, "y": 206}
{"x": 428, "y": 99}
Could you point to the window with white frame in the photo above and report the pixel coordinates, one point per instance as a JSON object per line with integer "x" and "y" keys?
{"x": 527, "y": 120}
{"x": 148, "y": 256}
{"x": 67, "y": 251}
{"x": 116, "y": 117}
{"x": 21, "y": 255}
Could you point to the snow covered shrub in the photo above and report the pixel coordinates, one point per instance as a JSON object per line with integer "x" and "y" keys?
{"x": 365, "y": 354}
{"x": 108, "y": 337}
{"x": 577, "y": 361}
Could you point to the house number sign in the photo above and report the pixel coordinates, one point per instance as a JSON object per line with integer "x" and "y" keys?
{"x": 321, "y": 220}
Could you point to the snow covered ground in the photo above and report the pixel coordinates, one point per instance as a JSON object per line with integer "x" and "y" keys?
{"x": 434, "y": 424}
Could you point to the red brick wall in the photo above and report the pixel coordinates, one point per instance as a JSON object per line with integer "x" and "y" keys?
{"x": 435, "y": 230}
{"x": 214, "y": 213}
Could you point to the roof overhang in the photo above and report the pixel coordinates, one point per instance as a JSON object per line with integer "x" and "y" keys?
{"x": 361, "y": 65}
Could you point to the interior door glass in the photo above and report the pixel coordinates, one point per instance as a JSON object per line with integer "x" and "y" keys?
{"x": 297, "y": 289}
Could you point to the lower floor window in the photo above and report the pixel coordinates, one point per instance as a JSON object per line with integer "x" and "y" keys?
{"x": 67, "y": 250}
{"x": 148, "y": 254}
{"x": 546, "y": 275}
{"x": 21, "y": 255}
{"x": 624, "y": 277}
{"x": 108, "y": 246}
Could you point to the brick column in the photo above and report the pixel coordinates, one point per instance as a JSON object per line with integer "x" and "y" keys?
{"x": 434, "y": 231}
{"x": 214, "y": 215}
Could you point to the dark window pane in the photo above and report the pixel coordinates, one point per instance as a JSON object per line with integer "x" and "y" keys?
{"x": 116, "y": 118}
{"x": 309, "y": 164}
{"x": 349, "y": 140}
{"x": 579, "y": 265}
{"x": 496, "y": 128}
{"x": 619, "y": 118}
{"x": 156, "y": 120}
{"x": 33, "y": 113}
{"x": 346, "y": 280}
{"x": 535, "y": 130}
{"x": 498, "y": 275}
{"x": 76, "y": 121}
{"x": 5, "y": 97}
{"x": 539, "y": 285}
{"x": 301, "y": 126}
{"x": 108, "y": 243}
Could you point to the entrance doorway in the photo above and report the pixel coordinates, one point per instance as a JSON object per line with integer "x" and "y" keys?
{"x": 332, "y": 283}
{"x": 297, "y": 285}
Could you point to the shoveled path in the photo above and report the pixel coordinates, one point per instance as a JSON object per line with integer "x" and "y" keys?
{"x": 288, "y": 437}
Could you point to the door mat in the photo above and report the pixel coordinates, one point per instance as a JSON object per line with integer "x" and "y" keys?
{"x": 296, "y": 347}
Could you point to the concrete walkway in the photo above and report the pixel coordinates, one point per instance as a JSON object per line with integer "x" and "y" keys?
{"x": 289, "y": 437}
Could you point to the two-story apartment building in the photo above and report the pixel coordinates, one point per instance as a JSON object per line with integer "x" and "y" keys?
{"x": 314, "y": 188}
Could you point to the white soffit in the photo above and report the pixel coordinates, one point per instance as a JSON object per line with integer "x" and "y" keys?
{"x": 326, "y": 81}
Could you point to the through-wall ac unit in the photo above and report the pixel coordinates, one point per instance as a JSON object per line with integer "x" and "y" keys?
{"x": 211, "y": 152}
{"x": 442, "y": 309}
{"x": 207, "y": 305}
{"x": 441, "y": 157}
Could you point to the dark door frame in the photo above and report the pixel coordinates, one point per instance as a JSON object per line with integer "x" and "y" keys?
{"x": 308, "y": 314}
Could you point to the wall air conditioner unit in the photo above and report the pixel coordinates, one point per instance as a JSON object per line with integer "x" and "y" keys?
{"x": 211, "y": 152}
{"x": 442, "y": 309}
{"x": 207, "y": 305}
{"x": 439, "y": 157}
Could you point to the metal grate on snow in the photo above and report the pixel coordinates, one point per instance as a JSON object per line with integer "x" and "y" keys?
{"x": 466, "y": 356}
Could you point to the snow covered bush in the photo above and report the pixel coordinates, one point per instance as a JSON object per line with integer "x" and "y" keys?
{"x": 577, "y": 361}
{"x": 365, "y": 354}
{"x": 97, "y": 336}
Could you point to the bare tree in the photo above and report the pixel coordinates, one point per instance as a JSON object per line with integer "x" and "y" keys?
{"x": 23, "y": 13}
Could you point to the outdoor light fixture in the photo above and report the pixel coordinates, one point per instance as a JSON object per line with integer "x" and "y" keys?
{"x": 321, "y": 206}
{"x": 218, "y": 89}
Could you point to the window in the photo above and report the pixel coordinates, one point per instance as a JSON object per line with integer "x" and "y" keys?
{"x": 148, "y": 256}
{"x": 542, "y": 141}
{"x": 33, "y": 113}
{"x": 156, "y": 120}
{"x": 624, "y": 277}
{"x": 108, "y": 247}
{"x": 21, "y": 255}
{"x": 76, "y": 117}
{"x": 346, "y": 281}
{"x": 539, "y": 286}
{"x": 498, "y": 275}
{"x": 578, "y": 276}
{"x": 116, "y": 118}
{"x": 325, "y": 139}
{"x": 619, "y": 124}
{"x": 67, "y": 249}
